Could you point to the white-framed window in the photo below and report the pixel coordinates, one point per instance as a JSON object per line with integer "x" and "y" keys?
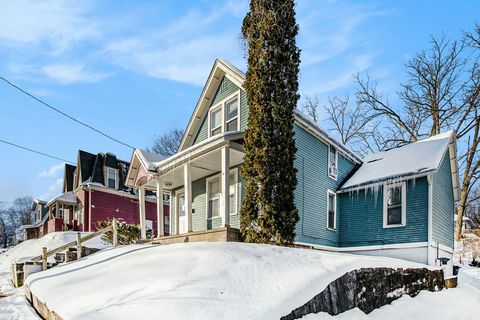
{"x": 60, "y": 213}
{"x": 74, "y": 180}
{"x": 394, "y": 205}
{"x": 331, "y": 210}
{"x": 332, "y": 162}
{"x": 111, "y": 178}
{"x": 214, "y": 194}
{"x": 38, "y": 214}
{"x": 225, "y": 116}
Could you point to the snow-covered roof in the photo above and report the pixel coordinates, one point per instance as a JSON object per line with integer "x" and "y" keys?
{"x": 66, "y": 198}
{"x": 149, "y": 159}
{"x": 410, "y": 160}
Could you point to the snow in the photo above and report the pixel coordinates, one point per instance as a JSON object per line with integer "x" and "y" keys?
{"x": 410, "y": 160}
{"x": 149, "y": 159}
{"x": 67, "y": 197}
{"x": 194, "y": 281}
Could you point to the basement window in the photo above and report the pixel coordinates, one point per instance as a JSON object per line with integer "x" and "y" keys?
{"x": 394, "y": 205}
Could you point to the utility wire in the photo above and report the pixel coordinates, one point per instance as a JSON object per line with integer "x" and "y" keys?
{"x": 35, "y": 151}
{"x": 66, "y": 115}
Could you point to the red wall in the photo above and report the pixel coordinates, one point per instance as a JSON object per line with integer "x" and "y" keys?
{"x": 107, "y": 205}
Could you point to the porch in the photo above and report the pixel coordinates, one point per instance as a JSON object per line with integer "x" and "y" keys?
{"x": 204, "y": 188}
{"x": 62, "y": 213}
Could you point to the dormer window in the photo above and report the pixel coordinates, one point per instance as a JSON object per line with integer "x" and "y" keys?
{"x": 332, "y": 162}
{"x": 112, "y": 181}
{"x": 224, "y": 117}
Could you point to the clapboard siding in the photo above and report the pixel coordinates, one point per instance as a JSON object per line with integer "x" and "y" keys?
{"x": 361, "y": 218}
{"x": 312, "y": 185}
{"x": 443, "y": 209}
{"x": 225, "y": 89}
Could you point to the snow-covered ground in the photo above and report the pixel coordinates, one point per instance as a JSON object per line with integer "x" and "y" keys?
{"x": 15, "y": 306}
{"x": 194, "y": 281}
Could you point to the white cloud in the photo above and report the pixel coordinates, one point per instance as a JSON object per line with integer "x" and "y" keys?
{"x": 59, "y": 24}
{"x": 72, "y": 73}
{"x": 53, "y": 190}
{"x": 53, "y": 172}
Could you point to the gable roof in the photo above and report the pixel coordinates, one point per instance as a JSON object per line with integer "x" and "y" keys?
{"x": 68, "y": 177}
{"x": 223, "y": 68}
{"x": 415, "y": 159}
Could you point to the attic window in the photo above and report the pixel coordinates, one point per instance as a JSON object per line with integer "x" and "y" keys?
{"x": 216, "y": 121}
{"x": 224, "y": 117}
{"x": 112, "y": 178}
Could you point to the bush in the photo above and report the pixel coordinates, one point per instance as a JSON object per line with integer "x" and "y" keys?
{"x": 127, "y": 233}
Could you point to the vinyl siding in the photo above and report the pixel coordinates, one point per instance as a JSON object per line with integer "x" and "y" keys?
{"x": 225, "y": 89}
{"x": 361, "y": 219}
{"x": 443, "y": 207}
{"x": 312, "y": 185}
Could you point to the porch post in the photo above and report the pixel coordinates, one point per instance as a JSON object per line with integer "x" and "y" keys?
{"x": 187, "y": 179}
{"x": 160, "y": 218}
{"x": 141, "y": 201}
{"x": 225, "y": 187}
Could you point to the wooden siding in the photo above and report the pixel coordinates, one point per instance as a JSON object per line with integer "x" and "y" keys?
{"x": 443, "y": 207}
{"x": 225, "y": 89}
{"x": 312, "y": 185}
{"x": 361, "y": 218}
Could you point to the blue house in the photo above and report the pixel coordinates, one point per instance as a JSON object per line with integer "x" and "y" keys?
{"x": 398, "y": 203}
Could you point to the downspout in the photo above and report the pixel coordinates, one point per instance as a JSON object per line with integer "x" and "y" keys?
{"x": 430, "y": 255}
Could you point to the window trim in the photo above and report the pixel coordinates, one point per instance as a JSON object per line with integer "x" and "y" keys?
{"x": 208, "y": 181}
{"x": 403, "y": 185}
{"x": 331, "y": 192}
{"x": 233, "y": 171}
{"x": 334, "y": 177}
{"x": 221, "y": 126}
{"x": 222, "y": 105}
{"x": 116, "y": 178}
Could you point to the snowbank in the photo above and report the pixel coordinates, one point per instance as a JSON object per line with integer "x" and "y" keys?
{"x": 33, "y": 247}
{"x": 194, "y": 281}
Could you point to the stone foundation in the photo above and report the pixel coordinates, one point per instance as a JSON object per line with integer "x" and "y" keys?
{"x": 225, "y": 234}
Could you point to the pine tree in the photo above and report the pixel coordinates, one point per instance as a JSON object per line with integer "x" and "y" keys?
{"x": 268, "y": 212}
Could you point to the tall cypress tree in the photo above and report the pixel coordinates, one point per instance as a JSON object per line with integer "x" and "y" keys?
{"x": 268, "y": 212}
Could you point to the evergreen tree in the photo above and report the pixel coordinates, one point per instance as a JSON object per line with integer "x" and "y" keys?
{"x": 268, "y": 212}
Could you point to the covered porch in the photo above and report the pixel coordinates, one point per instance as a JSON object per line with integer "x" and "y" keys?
{"x": 61, "y": 213}
{"x": 204, "y": 188}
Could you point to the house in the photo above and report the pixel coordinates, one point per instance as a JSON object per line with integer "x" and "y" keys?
{"x": 398, "y": 203}
{"x": 94, "y": 190}
{"x": 38, "y": 228}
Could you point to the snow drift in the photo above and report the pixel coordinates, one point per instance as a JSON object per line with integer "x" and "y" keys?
{"x": 194, "y": 281}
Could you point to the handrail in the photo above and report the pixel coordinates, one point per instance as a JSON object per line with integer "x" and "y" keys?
{"x": 45, "y": 254}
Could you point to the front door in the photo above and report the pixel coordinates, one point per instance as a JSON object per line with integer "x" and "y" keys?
{"x": 182, "y": 218}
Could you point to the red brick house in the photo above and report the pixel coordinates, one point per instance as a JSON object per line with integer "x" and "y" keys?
{"x": 94, "y": 190}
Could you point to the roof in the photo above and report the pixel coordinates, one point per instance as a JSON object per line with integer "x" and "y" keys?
{"x": 68, "y": 177}
{"x": 222, "y": 68}
{"x": 149, "y": 159}
{"x": 414, "y": 159}
{"x": 65, "y": 198}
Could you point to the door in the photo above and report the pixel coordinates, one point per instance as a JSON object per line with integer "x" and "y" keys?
{"x": 182, "y": 218}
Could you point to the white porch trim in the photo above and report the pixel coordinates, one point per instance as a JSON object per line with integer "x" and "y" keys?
{"x": 187, "y": 187}
{"x": 141, "y": 198}
{"x": 160, "y": 218}
{"x": 225, "y": 187}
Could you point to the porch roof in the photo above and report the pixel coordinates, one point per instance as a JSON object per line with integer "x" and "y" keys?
{"x": 204, "y": 158}
{"x": 68, "y": 198}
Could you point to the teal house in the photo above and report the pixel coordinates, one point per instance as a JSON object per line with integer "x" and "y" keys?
{"x": 399, "y": 203}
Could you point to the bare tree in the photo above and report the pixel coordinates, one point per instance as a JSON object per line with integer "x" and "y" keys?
{"x": 168, "y": 143}
{"x": 311, "y": 107}
{"x": 3, "y": 226}
{"x": 442, "y": 93}
{"x": 20, "y": 212}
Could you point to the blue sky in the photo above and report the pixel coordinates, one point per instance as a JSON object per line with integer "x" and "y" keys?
{"x": 135, "y": 69}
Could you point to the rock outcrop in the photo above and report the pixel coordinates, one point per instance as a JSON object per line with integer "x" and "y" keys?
{"x": 369, "y": 289}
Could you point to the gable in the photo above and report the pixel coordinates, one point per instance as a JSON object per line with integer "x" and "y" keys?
{"x": 226, "y": 90}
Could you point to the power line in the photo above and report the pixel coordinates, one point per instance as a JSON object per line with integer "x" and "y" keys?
{"x": 65, "y": 114}
{"x": 35, "y": 151}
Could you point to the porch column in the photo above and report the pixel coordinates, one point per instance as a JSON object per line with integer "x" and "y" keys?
{"x": 160, "y": 218}
{"x": 225, "y": 187}
{"x": 141, "y": 202}
{"x": 187, "y": 181}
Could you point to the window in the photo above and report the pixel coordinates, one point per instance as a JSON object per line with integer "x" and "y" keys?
{"x": 332, "y": 162}
{"x": 60, "y": 213}
{"x": 231, "y": 115}
{"x": 224, "y": 117}
{"x": 331, "y": 210}
{"x": 214, "y": 195}
{"x": 39, "y": 214}
{"x": 216, "y": 121}
{"x": 394, "y": 210}
{"x": 111, "y": 178}
{"x": 213, "y": 188}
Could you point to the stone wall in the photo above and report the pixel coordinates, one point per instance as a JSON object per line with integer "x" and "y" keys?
{"x": 369, "y": 289}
